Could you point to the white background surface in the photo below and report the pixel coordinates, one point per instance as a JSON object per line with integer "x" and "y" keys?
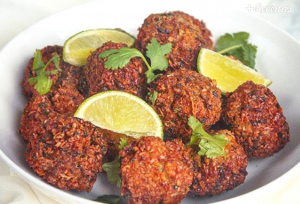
{"x": 16, "y": 15}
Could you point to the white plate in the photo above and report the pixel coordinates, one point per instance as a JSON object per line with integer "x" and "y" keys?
{"x": 278, "y": 59}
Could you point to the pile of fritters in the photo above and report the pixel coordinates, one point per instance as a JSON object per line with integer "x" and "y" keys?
{"x": 68, "y": 152}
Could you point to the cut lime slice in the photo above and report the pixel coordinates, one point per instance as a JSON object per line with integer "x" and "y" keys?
{"x": 78, "y": 47}
{"x": 121, "y": 112}
{"x": 228, "y": 73}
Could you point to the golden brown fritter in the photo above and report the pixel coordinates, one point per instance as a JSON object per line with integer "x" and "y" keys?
{"x": 186, "y": 33}
{"x": 154, "y": 171}
{"x": 66, "y": 99}
{"x": 256, "y": 119}
{"x": 68, "y": 153}
{"x": 213, "y": 176}
{"x": 131, "y": 78}
{"x": 37, "y": 112}
{"x": 68, "y": 74}
{"x": 185, "y": 93}
{"x": 65, "y": 151}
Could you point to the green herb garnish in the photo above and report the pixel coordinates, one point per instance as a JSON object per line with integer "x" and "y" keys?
{"x": 112, "y": 171}
{"x": 112, "y": 199}
{"x": 210, "y": 146}
{"x": 112, "y": 168}
{"x": 153, "y": 96}
{"x": 237, "y": 45}
{"x": 42, "y": 83}
{"x": 123, "y": 143}
{"x": 119, "y": 58}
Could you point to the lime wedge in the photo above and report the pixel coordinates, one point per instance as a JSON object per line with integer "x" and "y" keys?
{"x": 228, "y": 73}
{"x": 121, "y": 112}
{"x": 78, "y": 47}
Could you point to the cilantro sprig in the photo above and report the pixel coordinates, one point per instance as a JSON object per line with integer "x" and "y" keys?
{"x": 112, "y": 168}
{"x": 237, "y": 45}
{"x": 111, "y": 199}
{"x": 119, "y": 58}
{"x": 153, "y": 96}
{"x": 42, "y": 83}
{"x": 210, "y": 146}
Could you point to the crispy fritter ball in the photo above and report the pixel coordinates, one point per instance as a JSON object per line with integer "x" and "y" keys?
{"x": 185, "y": 93}
{"x": 65, "y": 151}
{"x": 186, "y": 33}
{"x": 256, "y": 119}
{"x": 154, "y": 171}
{"x": 66, "y": 99}
{"x": 213, "y": 176}
{"x": 37, "y": 111}
{"x": 131, "y": 78}
{"x": 68, "y": 154}
{"x": 68, "y": 74}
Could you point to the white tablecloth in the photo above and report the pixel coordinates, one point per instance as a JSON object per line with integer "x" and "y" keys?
{"x": 16, "y": 15}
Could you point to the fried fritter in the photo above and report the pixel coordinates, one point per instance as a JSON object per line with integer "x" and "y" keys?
{"x": 68, "y": 153}
{"x": 213, "y": 176}
{"x": 185, "y": 93}
{"x": 65, "y": 151}
{"x": 66, "y": 99}
{"x": 255, "y": 117}
{"x": 154, "y": 171}
{"x": 186, "y": 33}
{"x": 69, "y": 74}
{"x": 37, "y": 112}
{"x": 131, "y": 78}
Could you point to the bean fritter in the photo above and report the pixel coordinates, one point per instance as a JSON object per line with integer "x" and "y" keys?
{"x": 185, "y": 93}
{"x": 131, "y": 78}
{"x": 213, "y": 176}
{"x": 256, "y": 119}
{"x": 68, "y": 74}
{"x": 66, "y": 99}
{"x": 65, "y": 151}
{"x": 154, "y": 171}
{"x": 37, "y": 111}
{"x": 186, "y": 33}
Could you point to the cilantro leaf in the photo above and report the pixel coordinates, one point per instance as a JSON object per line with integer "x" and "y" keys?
{"x": 229, "y": 42}
{"x": 112, "y": 168}
{"x": 42, "y": 83}
{"x": 37, "y": 61}
{"x": 237, "y": 45}
{"x": 151, "y": 75}
{"x": 123, "y": 143}
{"x": 112, "y": 199}
{"x": 210, "y": 146}
{"x": 119, "y": 58}
{"x": 156, "y": 53}
{"x": 249, "y": 53}
{"x": 112, "y": 171}
{"x": 153, "y": 96}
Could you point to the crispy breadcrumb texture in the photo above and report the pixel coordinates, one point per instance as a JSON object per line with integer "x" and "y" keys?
{"x": 255, "y": 117}
{"x": 186, "y": 33}
{"x": 131, "y": 78}
{"x": 69, "y": 74}
{"x": 213, "y": 176}
{"x": 185, "y": 93}
{"x": 65, "y": 151}
{"x": 66, "y": 99}
{"x": 154, "y": 171}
